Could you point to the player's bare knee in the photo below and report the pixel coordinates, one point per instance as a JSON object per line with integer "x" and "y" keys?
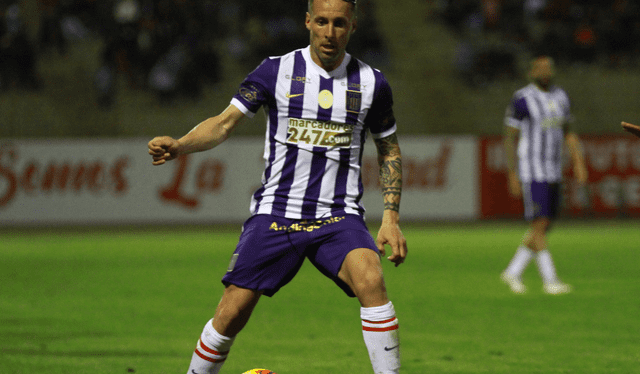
{"x": 369, "y": 282}
{"x": 360, "y": 265}
{"x": 541, "y": 224}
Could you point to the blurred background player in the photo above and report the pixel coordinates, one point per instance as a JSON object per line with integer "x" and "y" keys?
{"x": 320, "y": 104}
{"x": 539, "y": 116}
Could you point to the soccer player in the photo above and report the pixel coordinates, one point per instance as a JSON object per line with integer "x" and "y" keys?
{"x": 320, "y": 105}
{"x": 540, "y": 116}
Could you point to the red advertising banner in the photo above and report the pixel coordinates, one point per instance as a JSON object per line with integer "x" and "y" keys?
{"x": 613, "y": 188}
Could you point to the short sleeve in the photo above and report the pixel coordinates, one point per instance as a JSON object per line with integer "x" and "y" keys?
{"x": 257, "y": 89}
{"x": 380, "y": 119}
{"x": 516, "y": 112}
{"x": 566, "y": 108}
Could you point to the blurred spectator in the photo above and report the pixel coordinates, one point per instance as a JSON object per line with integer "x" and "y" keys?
{"x": 62, "y": 22}
{"x": 17, "y": 54}
{"x": 533, "y": 21}
{"x": 482, "y": 58}
{"x": 50, "y": 32}
{"x": 121, "y": 53}
{"x": 162, "y": 45}
{"x": 491, "y": 11}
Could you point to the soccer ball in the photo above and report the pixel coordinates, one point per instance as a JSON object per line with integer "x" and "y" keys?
{"x": 259, "y": 371}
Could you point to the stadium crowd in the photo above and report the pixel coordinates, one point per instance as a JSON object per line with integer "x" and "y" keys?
{"x": 174, "y": 47}
{"x": 492, "y": 33}
{"x": 171, "y": 47}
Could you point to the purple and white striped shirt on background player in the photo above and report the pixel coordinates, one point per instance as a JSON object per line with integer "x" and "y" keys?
{"x": 540, "y": 116}
{"x": 317, "y": 123}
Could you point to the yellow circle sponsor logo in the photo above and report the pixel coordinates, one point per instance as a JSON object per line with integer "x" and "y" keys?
{"x": 325, "y": 99}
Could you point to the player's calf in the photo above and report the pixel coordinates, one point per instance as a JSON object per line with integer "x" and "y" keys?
{"x": 234, "y": 310}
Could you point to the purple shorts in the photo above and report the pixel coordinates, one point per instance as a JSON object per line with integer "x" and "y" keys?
{"x": 272, "y": 249}
{"x": 541, "y": 199}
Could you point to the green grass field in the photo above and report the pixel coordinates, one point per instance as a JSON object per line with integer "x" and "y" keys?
{"x": 135, "y": 300}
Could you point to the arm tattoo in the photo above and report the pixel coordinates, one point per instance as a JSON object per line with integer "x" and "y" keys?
{"x": 390, "y": 162}
{"x": 388, "y": 146}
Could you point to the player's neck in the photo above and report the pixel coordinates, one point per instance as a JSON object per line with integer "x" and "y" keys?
{"x": 327, "y": 66}
{"x": 545, "y": 87}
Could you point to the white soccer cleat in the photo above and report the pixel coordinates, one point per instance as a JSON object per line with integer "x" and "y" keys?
{"x": 515, "y": 284}
{"x": 557, "y": 288}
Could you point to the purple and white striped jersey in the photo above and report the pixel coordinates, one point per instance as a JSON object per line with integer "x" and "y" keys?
{"x": 317, "y": 124}
{"x": 540, "y": 116}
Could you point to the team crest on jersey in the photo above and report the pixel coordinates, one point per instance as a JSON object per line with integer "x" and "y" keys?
{"x": 249, "y": 93}
{"x": 354, "y": 101}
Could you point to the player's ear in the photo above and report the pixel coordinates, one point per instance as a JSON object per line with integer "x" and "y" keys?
{"x": 354, "y": 25}
{"x": 307, "y": 21}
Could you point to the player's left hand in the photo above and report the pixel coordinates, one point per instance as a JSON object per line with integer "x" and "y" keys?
{"x": 581, "y": 174}
{"x": 391, "y": 235}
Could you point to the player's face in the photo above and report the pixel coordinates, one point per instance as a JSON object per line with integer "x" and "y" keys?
{"x": 542, "y": 72}
{"x": 330, "y": 25}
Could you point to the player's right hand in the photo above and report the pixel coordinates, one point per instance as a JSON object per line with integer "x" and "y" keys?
{"x": 163, "y": 149}
{"x": 515, "y": 189}
{"x": 391, "y": 235}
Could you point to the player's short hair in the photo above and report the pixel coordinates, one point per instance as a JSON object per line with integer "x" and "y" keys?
{"x": 537, "y": 58}
{"x": 534, "y": 61}
{"x": 352, "y": 2}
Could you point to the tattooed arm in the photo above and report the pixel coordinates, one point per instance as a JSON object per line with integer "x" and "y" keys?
{"x": 390, "y": 162}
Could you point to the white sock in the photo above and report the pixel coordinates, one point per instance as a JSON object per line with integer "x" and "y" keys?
{"x": 211, "y": 352}
{"x": 380, "y": 332}
{"x": 546, "y": 267}
{"x": 519, "y": 262}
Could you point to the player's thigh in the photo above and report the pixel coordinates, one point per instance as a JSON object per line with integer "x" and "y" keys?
{"x": 265, "y": 258}
{"x": 541, "y": 200}
{"x": 334, "y": 251}
{"x": 555, "y": 200}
